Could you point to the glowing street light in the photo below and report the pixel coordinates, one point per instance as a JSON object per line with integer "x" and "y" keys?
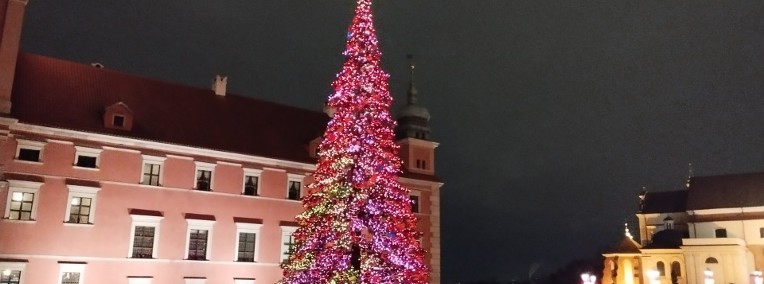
{"x": 7, "y": 272}
{"x": 757, "y": 277}
{"x": 588, "y": 278}
{"x": 652, "y": 275}
{"x": 709, "y": 279}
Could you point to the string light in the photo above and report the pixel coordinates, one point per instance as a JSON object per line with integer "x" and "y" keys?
{"x": 357, "y": 226}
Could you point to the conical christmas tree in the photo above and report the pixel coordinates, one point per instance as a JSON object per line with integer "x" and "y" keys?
{"x": 358, "y": 226}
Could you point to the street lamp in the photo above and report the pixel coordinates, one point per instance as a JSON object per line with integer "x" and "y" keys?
{"x": 652, "y": 275}
{"x": 709, "y": 279}
{"x": 7, "y": 272}
{"x": 588, "y": 278}
{"x": 757, "y": 277}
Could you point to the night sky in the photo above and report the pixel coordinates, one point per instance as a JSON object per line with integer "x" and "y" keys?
{"x": 551, "y": 114}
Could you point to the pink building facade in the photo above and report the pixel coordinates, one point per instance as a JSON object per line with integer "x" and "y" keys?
{"x": 112, "y": 178}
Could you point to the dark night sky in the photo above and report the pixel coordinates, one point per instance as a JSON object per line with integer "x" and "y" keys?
{"x": 551, "y": 114}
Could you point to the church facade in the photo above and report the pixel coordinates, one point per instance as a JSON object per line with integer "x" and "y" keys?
{"x": 109, "y": 177}
{"x": 710, "y": 232}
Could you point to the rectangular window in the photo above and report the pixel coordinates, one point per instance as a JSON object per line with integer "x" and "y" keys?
{"x": 287, "y": 241}
{"x": 294, "y": 190}
{"x": 197, "y": 244}
{"x": 71, "y": 273}
{"x": 143, "y": 242}
{"x": 119, "y": 121}
{"x": 70, "y": 278}
{"x": 203, "y": 176}
{"x": 203, "y": 180}
{"x": 251, "y": 182}
{"x": 199, "y": 236}
{"x": 144, "y": 234}
{"x": 151, "y": 174}
{"x": 80, "y": 210}
{"x": 721, "y": 233}
{"x": 414, "y": 203}
{"x": 250, "y": 185}
{"x": 31, "y": 155}
{"x": 761, "y": 232}
{"x": 10, "y": 276}
{"x": 30, "y": 151}
{"x": 21, "y": 205}
{"x": 82, "y": 204}
{"x": 246, "y": 251}
{"x": 86, "y": 157}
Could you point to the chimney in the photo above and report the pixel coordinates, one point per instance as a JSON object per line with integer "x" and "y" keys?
{"x": 219, "y": 85}
{"x": 11, "y": 18}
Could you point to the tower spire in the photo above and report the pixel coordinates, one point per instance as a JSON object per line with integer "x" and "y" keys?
{"x": 411, "y": 95}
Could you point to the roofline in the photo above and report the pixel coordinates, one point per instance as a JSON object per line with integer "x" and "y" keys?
{"x": 154, "y": 145}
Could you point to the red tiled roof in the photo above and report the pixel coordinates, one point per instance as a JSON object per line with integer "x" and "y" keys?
{"x": 726, "y": 191}
{"x": 63, "y": 94}
{"x": 58, "y": 93}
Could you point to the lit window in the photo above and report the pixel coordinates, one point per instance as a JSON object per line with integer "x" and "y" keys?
{"x": 144, "y": 235}
{"x": 22, "y": 200}
{"x": 243, "y": 281}
{"x": 247, "y": 240}
{"x": 151, "y": 174}
{"x": 71, "y": 273}
{"x": 82, "y": 204}
{"x": 287, "y": 242}
{"x": 11, "y": 272}
{"x": 204, "y": 176}
{"x": 414, "y": 203}
{"x": 87, "y": 157}
{"x": 199, "y": 235}
{"x": 294, "y": 187}
{"x": 30, "y": 151}
{"x": 251, "y": 182}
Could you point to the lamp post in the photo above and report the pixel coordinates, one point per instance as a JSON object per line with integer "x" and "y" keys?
{"x": 652, "y": 275}
{"x": 588, "y": 278}
{"x": 709, "y": 276}
{"x": 757, "y": 277}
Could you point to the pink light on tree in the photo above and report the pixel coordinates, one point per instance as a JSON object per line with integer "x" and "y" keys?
{"x": 357, "y": 226}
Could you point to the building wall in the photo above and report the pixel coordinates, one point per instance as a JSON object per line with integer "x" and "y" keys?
{"x": 104, "y": 246}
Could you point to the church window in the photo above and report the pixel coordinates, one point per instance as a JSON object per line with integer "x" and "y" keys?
{"x": 661, "y": 268}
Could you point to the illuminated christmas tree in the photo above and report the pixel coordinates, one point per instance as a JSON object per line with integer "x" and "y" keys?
{"x": 357, "y": 226}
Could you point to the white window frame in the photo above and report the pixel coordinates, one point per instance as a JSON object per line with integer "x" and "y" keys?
{"x": 154, "y": 160}
{"x": 286, "y": 231}
{"x": 205, "y": 167}
{"x": 9, "y": 266}
{"x": 145, "y": 221}
{"x": 297, "y": 178}
{"x": 255, "y": 173}
{"x": 139, "y": 279}
{"x": 87, "y": 152}
{"x": 243, "y": 281}
{"x": 196, "y": 224}
{"x": 81, "y": 191}
{"x": 23, "y": 186}
{"x": 31, "y": 145}
{"x": 194, "y": 280}
{"x": 419, "y": 198}
{"x": 247, "y": 228}
{"x": 72, "y": 267}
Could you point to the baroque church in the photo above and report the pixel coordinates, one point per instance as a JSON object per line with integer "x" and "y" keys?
{"x": 710, "y": 232}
